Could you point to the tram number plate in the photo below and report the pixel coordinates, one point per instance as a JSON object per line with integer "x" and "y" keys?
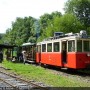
{"x": 88, "y": 54}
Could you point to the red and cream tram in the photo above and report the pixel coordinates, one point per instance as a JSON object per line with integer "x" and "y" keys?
{"x": 66, "y": 50}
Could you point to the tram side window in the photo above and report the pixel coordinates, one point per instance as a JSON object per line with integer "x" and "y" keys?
{"x": 49, "y": 47}
{"x": 39, "y": 48}
{"x": 71, "y": 46}
{"x": 43, "y": 47}
{"x": 86, "y": 46}
{"x": 56, "y": 47}
{"x": 79, "y": 45}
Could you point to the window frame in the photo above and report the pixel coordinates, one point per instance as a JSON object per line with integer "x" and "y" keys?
{"x": 73, "y": 45}
{"x": 85, "y": 45}
{"x": 80, "y": 46}
{"x": 54, "y": 46}
{"x": 42, "y": 48}
{"x": 51, "y": 47}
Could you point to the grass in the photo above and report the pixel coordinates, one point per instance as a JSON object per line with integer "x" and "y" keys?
{"x": 37, "y": 73}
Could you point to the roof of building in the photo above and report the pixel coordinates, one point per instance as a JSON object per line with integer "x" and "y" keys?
{"x": 29, "y": 43}
{"x": 6, "y": 46}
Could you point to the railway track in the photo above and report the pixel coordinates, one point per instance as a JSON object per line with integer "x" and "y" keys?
{"x": 11, "y": 82}
{"x": 21, "y": 84}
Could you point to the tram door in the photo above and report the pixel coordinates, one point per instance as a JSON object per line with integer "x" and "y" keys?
{"x": 38, "y": 55}
{"x": 64, "y": 51}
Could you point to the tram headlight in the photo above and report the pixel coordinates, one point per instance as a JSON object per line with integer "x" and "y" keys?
{"x": 88, "y": 54}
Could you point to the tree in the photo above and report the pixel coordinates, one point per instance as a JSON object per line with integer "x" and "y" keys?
{"x": 80, "y": 8}
{"x": 46, "y": 23}
{"x": 53, "y": 26}
{"x": 66, "y": 23}
{"x": 1, "y": 38}
{"x": 21, "y": 31}
{"x": 7, "y": 38}
{"x": 36, "y": 29}
{"x": 70, "y": 23}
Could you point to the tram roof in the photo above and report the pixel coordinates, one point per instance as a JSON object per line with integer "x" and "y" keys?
{"x": 64, "y": 38}
{"x": 29, "y": 43}
{"x": 68, "y": 36}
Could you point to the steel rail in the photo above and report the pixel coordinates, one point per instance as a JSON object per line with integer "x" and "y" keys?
{"x": 9, "y": 84}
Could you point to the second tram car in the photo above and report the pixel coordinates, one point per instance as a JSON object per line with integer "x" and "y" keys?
{"x": 69, "y": 50}
{"x": 30, "y": 49}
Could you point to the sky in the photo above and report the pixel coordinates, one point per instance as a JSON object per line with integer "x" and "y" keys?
{"x": 11, "y": 9}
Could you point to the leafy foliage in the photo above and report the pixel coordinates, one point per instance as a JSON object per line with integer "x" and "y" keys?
{"x": 1, "y": 36}
{"x": 21, "y": 31}
{"x": 29, "y": 29}
{"x": 69, "y": 23}
{"x": 80, "y": 8}
{"x": 46, "y": 23}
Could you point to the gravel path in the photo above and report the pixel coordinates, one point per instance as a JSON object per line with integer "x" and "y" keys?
{"x": 74, "y": 75}
{"x": 77, "y": 76}
{"x": 40, "y": 85}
